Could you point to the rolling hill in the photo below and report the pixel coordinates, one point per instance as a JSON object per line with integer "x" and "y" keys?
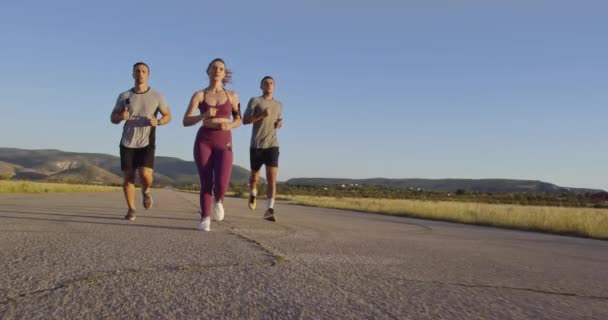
{"x": 450, "y": 185}
{"x": 97, "y": 168}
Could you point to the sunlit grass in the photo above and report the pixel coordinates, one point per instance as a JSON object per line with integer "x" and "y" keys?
{"x": 585, "y": 222}
{"x": 12, "y": 186}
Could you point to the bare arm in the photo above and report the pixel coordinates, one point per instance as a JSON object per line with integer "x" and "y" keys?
{"x": 119, "y": 114}
{"x": 256, "y": 116}
{"x": 253, "y": 114}
{"x": 236, "y": 113}
{"x": 166, "y": 117}
{"x": 278, "y": 124}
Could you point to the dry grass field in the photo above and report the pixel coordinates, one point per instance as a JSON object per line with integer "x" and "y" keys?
{"x": 13, "y": 186}
{"x": 584, "y": 222}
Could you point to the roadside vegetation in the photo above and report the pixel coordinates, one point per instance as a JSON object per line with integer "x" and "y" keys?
{"x": 585, "y": 222}
{"x": 567, "y": 214}
{"x": 17, "y": 186}
{"x": 574, "y": 200}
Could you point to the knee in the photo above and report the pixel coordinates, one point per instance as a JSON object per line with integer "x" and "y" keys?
{"x": 271, "y": 178}
{"x": 146, "y": 174}
{"x": 129, "y": 176}
{"x": 206, "y": 187}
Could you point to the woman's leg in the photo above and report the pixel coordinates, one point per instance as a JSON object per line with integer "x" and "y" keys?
{"x": 204, "y": 164}
{"x": 222, "y": 171}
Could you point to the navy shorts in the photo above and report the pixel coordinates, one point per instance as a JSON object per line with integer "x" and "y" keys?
{"x": 133, "y": 158}
{"x": 268, "y": 157}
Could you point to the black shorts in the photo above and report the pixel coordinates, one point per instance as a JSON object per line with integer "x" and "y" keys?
{"x": 259, "y": 157}
{"x": 133, "y": 158}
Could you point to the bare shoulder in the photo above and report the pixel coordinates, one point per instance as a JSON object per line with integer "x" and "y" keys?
{"x": 198, "y": 95}
{"x": 232, "y": 94}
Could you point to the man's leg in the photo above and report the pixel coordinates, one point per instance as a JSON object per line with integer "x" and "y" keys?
{"x": 127, "y": 165}
{"x": 253, "y": 187}
{"x": 271, "y": 160}
{"x": 146, "y": 176}
{"x": 144, "y": 160}
{"x": 128, "y": 188}
{"x": 271, "y": 179}
{"x": 255, "y": 164}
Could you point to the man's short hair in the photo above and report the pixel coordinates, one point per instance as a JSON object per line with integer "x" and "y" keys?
{"x": 141, "y": 64}
{"x": 266, "y": 77}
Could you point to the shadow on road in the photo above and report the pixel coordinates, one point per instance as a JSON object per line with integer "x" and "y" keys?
{"x": 124, "y": 224}
{"x": 113, "y": 216}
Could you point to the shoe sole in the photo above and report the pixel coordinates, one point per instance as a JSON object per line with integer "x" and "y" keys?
{"x": 271, "y": 219}
{"x": 251, "y": 205}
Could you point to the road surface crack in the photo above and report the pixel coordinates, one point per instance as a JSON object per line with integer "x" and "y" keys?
{"x": 277, "y": 258}
{"x": 98, "y": 276}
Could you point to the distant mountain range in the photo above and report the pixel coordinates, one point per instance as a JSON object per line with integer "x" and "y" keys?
{"x": 450, "y": 185}
{"x": 96, "y": 168}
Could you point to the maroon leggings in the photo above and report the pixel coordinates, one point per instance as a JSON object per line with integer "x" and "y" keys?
{"x": 213, "y": 157}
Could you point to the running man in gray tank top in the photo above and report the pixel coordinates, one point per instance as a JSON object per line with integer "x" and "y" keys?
{"x": 265, "y": 114}
{"x": 139, "y": 108}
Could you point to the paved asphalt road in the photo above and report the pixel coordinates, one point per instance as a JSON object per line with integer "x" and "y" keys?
{"x": 71, "y": 256}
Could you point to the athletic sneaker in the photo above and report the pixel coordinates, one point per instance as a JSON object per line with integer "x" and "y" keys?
{"x": 205, "y": 224}
{"x": 251, "y": 202}
{"x": 130, "y": 215}
{"x": 147, "y": 199}
{"x": 218, "y": 210}
{"x": 269, "y": 215}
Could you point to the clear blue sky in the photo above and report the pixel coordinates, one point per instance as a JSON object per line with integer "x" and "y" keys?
{"x": 396, "y": 89}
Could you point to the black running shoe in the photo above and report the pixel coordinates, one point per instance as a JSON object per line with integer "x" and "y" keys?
{"x": 269, "y": 215}
{"x": 130, "y": 215}
{"x": 147, "y": 200}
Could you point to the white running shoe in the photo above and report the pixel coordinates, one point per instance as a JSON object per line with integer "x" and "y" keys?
{"x": 218, "y": 211}
{"x": 205, "y": 224}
